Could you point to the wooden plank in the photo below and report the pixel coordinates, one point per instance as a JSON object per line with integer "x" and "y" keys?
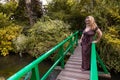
{"x": 68, "y": 78}
{"x": 72, "y": 66}
{"x": 77, "y": 70}
{"x": 75, "y": 58}
{"x": 72, "y": 58}
{"x": 72, "y": 70}
{"x": 76, "y": 75}
{"x": 74, "y": 62}
{"x": 103, "y": 75}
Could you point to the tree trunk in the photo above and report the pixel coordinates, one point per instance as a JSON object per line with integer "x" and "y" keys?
{"x": 29, "y": 11}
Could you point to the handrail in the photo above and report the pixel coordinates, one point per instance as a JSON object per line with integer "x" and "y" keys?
{"x": 73, "y": 39}
{"x": 93, "y": 68}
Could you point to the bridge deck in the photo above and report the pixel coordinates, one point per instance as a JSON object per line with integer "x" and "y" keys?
{"x": 73, "y": 70}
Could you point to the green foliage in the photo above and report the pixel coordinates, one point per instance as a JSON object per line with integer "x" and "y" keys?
{"x": 9, "y": 8}
{"x": 109, "y": 48}
{"x": 7, "y": 34}
{"x": 70, "y": 11}
{"x": 107, "y": 13}
{"x": 28, "y": 12}
{"x": 6, "y": 13}
{"x": 20, "y": 13}
{"x": 47, "y": 34}
{"x": 4, "y": 20}
{"x": 20, "y": 43}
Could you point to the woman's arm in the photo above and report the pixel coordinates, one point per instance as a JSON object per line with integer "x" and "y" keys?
{"x": 99, "y": 35}
{"x": 80, "y": 39}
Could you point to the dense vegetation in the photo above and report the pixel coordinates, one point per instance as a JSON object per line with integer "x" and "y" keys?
{"x": 26, "y": 28}
{"x": 107, "y": 15}
{"x": 42, "y": 37}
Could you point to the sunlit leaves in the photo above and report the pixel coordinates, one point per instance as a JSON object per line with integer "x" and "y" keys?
{"x": 7, "y": 34}
{"x": 46, "y": 34}
{"x": 4, "y": 20}
{"x": 109, "y": 48}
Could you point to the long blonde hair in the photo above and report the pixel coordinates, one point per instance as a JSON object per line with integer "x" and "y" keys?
{"x": 93, "y": 24}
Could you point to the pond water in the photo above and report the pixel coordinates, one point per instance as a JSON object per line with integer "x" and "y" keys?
{"x": 115, "y": 76}
{"x": 13, "y": 63}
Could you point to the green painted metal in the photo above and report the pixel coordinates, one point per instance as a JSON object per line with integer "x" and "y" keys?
{"x": 34, "y": 65}
{"x": 76, "y": 40}
{"x": 102, "y": 64}
{"x": 93, "y": 68}
{"x": 35, "y": 73}
{"x": 61, "y": 54}
{"x": 71, "y": 43}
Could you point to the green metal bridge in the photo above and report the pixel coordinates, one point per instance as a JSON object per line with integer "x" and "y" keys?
{"x": 70, "y": 44}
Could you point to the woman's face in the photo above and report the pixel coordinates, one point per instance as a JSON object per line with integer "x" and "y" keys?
{"x": 87, "y": 20}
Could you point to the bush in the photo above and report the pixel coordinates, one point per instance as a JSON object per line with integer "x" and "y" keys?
{"x": 47, "y": 34}
{"x": 4, "y": 20}
{"x": 109, "y": 48}
{"x": 9, "y": 8}
{"x": 20, "y": 43}
{"x": 7, "y": 34}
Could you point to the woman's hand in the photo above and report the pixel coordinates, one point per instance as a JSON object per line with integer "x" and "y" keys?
{"x": 79, "y": 41}
{"x": 99, "y": 32}
{"x": 94, "y": 41}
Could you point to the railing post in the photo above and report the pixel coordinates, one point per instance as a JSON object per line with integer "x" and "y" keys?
{"x": 62, "y": 55}
{"x": 102, "y": 64}
{"x": 71, "y": 44}
{"x": 35, "y": 73}
{"x": 76, "y": 39}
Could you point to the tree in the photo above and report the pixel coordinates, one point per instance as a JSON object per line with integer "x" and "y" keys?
{"x": 37, "y": 8}
{"x": 20, "y": 13}
{"x": 29, "y": 10}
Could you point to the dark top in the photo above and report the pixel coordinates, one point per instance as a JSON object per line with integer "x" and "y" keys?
{"x": 88, "y": 36}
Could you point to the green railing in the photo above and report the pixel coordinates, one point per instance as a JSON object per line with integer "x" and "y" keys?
{"x": 93, "y": 68}
{"x": 33, "y": 67}
{"x": 33, "y": 71}
{"x": 94, "y": 59}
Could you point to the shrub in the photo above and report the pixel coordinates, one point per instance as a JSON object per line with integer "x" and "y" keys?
{"x": 7, "y": 34}
{"x": 4, "y": 20}
{"x": 41, "y": 37}
{"x": 20, "y": 43}
{"x": 9, "y": 8}
{"x": 109, "y": 48}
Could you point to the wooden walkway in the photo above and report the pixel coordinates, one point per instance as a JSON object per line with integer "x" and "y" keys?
{"x": 72, "y": 70}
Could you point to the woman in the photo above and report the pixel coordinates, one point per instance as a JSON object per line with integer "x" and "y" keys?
{"x": 87, "y": 38}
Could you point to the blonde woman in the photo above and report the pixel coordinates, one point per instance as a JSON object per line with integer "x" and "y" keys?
{"x": 90, "y": 30}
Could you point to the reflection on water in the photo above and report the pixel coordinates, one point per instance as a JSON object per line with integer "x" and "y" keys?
{"x": 12, "y": 63}
{"x": 115, "y": 76}
{"x": 53, "y": 75}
